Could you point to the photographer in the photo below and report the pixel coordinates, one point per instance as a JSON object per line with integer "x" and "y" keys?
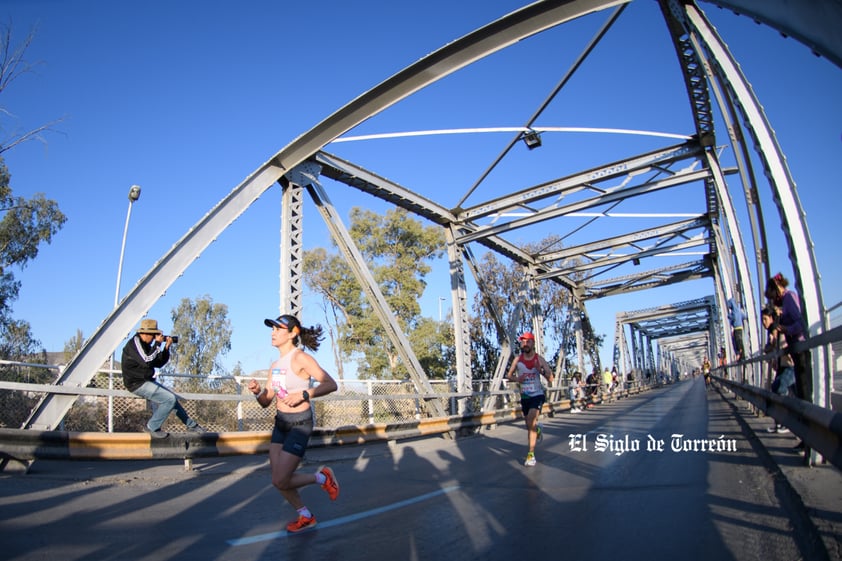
{"x": 147, "y": 350}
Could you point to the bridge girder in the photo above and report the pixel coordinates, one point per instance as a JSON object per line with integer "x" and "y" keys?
{"x": 703, "y": 58}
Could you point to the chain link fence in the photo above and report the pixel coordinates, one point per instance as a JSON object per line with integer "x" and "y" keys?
{"x": 224, "y": 404}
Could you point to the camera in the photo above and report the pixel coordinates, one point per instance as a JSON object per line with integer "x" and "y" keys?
{"x": 173, "y": 337}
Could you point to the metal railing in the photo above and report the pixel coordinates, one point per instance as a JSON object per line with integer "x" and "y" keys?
{"x": 359, "y": 411}
{"x": 223, "y": 404}
{"x": 818, "y": 427}
{"x": 23, "y": 446}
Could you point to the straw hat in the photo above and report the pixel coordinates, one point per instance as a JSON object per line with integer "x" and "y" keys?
{"x": 149, "y": 326}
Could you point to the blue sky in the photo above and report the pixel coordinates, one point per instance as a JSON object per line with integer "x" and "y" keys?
{"x": 186, "y": 99}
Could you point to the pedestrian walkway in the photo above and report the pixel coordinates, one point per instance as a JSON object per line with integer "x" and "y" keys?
{"x": 816, "y": 491}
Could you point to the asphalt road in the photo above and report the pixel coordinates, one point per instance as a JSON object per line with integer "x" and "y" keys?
{"x": 469, "y": 498}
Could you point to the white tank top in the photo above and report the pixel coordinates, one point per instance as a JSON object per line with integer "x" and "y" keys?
{"x": 529, "y": 376}
{"x": 283, "y": 379}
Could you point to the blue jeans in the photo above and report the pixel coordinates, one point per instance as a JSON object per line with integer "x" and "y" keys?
{"x": 784, "y": 381}
{"x": 164, "y": 402}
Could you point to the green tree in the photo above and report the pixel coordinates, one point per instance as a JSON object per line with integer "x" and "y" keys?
{"x": 331, "y": 278}
{"x": 18, "y": 345}
{"x": 204, "y": 338}
{"x": 73, "y": 345}
{"x": 25, "y": 224}
{"x": 485, "y": 349}
{"x": 432, "y": 342}
{"x": 398, "y": 251}
{"x": 504, "y": 282}
{"x": 204, "y": 333}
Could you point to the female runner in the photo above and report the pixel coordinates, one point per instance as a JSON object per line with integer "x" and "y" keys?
{"x": 289, "y": 384}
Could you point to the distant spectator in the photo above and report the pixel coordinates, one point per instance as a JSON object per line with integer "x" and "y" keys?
{"x": 736, "y": 317}
{"x": 706, "y": 372}
{"x": 782, "y": 365}
{"x": 607, "y": 381}
{"x": 791, "y": 324}
{"x": 591, "y": 388}
{"x": 575, "y": 392}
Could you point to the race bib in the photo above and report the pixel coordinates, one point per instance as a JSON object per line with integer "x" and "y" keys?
{"x": 279, "y": 382}
{"x": 531, "y": 384}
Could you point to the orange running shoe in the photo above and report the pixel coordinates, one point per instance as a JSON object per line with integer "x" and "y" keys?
{"x": 331, "y": 485}
{"x": 302, "y": 523}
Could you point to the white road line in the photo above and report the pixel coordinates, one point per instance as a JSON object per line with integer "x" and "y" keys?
{"x": 344, "y": 519}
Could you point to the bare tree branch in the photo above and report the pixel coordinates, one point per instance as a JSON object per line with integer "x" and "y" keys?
{"x": 13, "y": 63}
{"x": 14, "y": 140}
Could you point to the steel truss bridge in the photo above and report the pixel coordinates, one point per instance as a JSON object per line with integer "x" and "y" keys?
{"x": 731, "y": 255}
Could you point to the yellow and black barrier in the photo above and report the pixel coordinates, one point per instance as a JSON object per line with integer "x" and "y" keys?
{"x": 24, "y": 446}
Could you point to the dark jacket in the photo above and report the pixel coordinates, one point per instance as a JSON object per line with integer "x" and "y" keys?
{"x": 140, "y": 361}
{"x": 791, "y": 320}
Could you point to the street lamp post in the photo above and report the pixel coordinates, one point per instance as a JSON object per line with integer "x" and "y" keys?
{"x": 134, "y": 194}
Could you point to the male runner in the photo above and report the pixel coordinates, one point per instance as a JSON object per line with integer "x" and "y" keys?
{"x": 527, "y": 370}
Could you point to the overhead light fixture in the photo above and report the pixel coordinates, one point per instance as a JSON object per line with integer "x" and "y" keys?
{"x": 532, "y": 139}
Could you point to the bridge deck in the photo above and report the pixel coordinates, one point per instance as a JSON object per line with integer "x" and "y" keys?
{"x": 465, "y": 499}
